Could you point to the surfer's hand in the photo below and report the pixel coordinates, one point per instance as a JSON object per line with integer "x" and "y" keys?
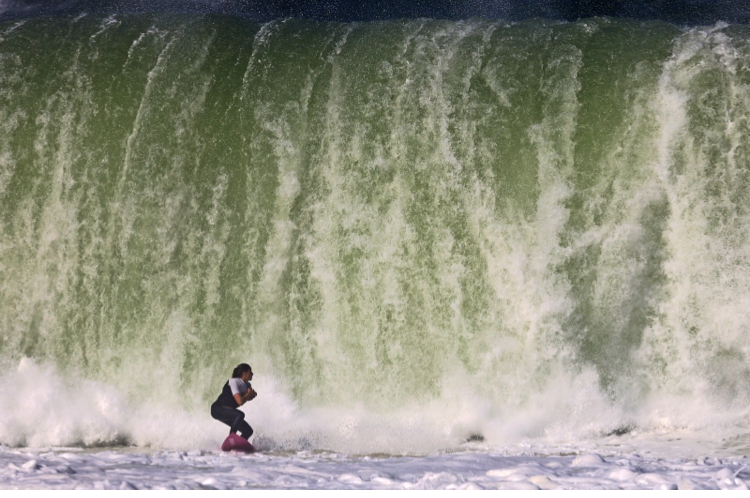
{"x": 250, "y": 394}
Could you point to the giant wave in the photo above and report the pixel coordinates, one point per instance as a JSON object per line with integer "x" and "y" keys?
{"x": 418, "y": 232}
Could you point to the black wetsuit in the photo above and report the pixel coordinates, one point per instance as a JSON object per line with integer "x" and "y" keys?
{"x": 225, "y": 410}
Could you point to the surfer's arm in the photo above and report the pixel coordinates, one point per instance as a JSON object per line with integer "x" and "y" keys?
{"x": 241, "y": 400}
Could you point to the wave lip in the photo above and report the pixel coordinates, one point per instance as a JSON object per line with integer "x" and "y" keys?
{"x": 681, "y": 12}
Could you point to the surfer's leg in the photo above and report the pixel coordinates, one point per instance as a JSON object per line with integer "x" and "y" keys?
{"x": 234, "y": 418}
{"x": 239, "y": 423}
{"x": 245, "y": 430}
{"x": 225, "y": 415}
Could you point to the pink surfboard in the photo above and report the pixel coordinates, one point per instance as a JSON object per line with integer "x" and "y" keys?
{"x": 233, "y": 442}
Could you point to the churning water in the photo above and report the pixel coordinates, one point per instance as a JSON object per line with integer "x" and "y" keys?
{"x": 417, "y": 232}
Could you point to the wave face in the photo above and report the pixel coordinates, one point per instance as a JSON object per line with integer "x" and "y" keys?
{"x": 415, "y": 231}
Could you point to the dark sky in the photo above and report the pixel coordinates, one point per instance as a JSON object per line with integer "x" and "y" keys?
{"x": 688, "y": 12}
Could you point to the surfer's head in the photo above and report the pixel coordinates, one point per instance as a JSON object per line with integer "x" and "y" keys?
{"x": 242, "y": 369}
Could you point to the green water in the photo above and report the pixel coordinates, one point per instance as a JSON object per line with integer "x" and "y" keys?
{"x": 379, "y": 214}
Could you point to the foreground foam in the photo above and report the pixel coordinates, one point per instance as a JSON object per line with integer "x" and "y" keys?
{"x": 64, "y": 469}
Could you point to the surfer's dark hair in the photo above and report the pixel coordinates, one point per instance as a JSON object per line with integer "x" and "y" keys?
{"x": 239, "y": 370}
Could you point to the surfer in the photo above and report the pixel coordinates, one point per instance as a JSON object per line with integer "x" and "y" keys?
{"x": 236, "y": 392}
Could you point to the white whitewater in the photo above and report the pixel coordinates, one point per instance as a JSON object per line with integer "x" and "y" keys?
{"x": 495, "y": 248}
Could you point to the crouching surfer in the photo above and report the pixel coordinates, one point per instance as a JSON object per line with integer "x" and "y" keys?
{"x": 236, "y": 392}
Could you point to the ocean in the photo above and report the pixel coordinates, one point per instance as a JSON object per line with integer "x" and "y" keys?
{"x": 436, "y": 242}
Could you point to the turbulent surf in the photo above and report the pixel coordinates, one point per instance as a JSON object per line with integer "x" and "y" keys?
{"x": 417, "y": 232}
